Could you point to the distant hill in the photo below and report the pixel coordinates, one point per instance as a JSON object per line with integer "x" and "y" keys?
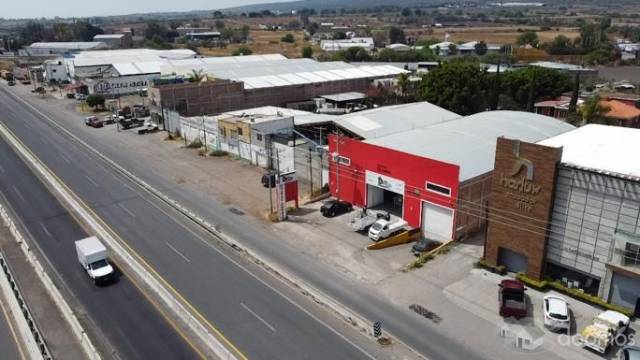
{"x": 331, "y": 4}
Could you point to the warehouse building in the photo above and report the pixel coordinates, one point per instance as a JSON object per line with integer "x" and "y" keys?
{"x": 568, "y": 208}
{"x": 429, "y": 169}
{"x": 119, "y": 72}
{"x": 239, "y": 82}
{"x": 60, "y": 48}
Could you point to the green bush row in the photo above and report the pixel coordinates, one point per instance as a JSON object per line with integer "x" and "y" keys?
{"x": 544, "y": 285}
{"x": 498, "y": 269}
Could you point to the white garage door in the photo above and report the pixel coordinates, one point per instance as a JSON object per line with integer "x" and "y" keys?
{"x": 437, "y": 222}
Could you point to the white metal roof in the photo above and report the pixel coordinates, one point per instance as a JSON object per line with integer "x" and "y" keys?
{"x": 386, "y": 120}
{"x": 470, "y": 141}
{"x": 110, "y": 57}
{"x": 261, "y": 71}
{"x": 601, "y": 148}
{"x": 108, "y": 36}
{"x": 72, "y": 45}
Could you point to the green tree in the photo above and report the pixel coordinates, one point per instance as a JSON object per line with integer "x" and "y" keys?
{"x": 84, "y": 31}
{"x": 406, "y": 12}
{"x": 453, "y": 49}
{"x": 196, "y": 76}
{"x": 561, "y": 42}
{"x": 403, "y": 83}
{"x": 592, "y": 111}
{"x": 288, "y": 38}
{"x": 527, "y": 85}
{"x": 242, "y": 50}
{"x": 458, "y": 86}
{"x": 528, "y": 37}
{"x": 481, "y": 48}
{"x": 244, "y": 32}
{"x": 220, "y": 25}
{"x": 96, "y": 101}
{"x": 396, "y": 35}
{"x": 307, "y": 52}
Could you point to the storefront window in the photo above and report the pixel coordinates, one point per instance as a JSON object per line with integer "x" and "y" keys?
{"x": 631, "y": 255}
{"x": 573, "y": 279}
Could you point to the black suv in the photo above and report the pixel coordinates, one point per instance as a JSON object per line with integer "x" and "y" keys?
{"x": 424, "y": 245}
{"x": 331, "y": 208}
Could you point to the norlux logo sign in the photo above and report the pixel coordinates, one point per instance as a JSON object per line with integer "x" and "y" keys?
{"x": 522, "y": 189}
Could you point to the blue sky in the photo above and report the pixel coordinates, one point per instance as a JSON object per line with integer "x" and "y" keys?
{"x": 79, "y": 8}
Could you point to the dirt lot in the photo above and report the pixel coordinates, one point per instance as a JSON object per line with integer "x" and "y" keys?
{"x": 495, "y": 35}
{"x": 266, "y": 42}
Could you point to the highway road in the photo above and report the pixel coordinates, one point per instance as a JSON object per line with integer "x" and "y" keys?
{"x": 8, "y": 340}
{"x": 132, "y": 327}
{"x": 246, "y": 306}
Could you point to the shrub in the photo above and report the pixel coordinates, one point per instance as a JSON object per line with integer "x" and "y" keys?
{"x": 202, "y": 151}
{"x": 218, "y": 153}
{"x": 288, "y": 38}
{"x": 498, "y": 269}
{"x": 195, "y": 144}
{"x": 532, "y": 283}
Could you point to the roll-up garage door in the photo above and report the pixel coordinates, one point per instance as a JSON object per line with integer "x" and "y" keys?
{"x": 437, "y": 222}
{"x": 625, "y": 290}
{"x": 513, "y": 261}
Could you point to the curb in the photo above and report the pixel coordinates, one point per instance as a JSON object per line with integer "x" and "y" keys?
{"x": 53, "y": 291}
{"x": 164, "y": 294}
{"x": 351, "y": 317}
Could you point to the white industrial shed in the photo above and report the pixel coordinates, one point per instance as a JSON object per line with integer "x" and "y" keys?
{"x": 470, "y": 141}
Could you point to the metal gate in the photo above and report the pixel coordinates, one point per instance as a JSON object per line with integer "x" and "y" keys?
{"x": 513, "y": 261}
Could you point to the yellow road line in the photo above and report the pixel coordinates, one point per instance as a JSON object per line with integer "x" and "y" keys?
{"x": 191, "y": 307}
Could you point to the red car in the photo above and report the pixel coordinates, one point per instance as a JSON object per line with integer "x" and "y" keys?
{"x": 93, "y": 121}
{"x": 513, "y": 302}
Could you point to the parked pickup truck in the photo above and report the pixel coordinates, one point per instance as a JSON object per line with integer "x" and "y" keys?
{"x": 93, "y": 257}
{"x": 604, "y": 330}
{"x": 513, "y": 302}
{"x": 383, "y": 228}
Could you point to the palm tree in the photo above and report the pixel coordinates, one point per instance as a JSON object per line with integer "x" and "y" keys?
{"x": 403, "y": 83}
{"x": 196, "y": 76}
{"x": 592, "y": 111}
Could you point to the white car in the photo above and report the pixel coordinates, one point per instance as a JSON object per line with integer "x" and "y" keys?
{"x": 556, "y": 313}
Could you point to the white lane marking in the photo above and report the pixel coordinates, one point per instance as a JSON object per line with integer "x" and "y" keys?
{"x": 206, "y": 243}
{"x": 258, "y": 317}
{"x": 91, "y": 181}
{"x": 66, "y": 159}
{"x": 126, "y": 210}
{"x": 44, "y": 228}
{"x": 177, "y": 252}
{"x": 288, "y": 299}
{"x": 15, "y": 189}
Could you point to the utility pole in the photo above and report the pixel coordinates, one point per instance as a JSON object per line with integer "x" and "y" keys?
{"x": 337, "y": 161}
{"x": 310, "y": 173}
{"x": 204, "y": 131}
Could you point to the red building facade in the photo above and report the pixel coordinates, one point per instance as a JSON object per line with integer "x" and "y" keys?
{"x": 357, "y": 169}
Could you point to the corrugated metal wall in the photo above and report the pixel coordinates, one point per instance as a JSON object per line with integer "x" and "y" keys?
{"x": 588, "y": 209}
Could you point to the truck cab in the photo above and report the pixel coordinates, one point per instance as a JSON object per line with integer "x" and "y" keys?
{"x": 93, "y": 258}
{"x": 384, "y": 228}
{"x": 604, "y": 330}
{"x": 513, "y": 301}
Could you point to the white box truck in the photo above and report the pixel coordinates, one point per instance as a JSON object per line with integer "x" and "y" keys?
{"x": 383, "y": 228}
{"x": 93, "y": 257}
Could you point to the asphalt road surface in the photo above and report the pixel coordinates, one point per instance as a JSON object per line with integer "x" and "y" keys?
{"x": 132, "y": 326}
{"x": 258, "y": 319}
{"x": 8, "y": 345}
